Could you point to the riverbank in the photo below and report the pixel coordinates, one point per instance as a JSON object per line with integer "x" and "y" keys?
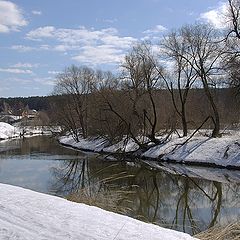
{"x": 200, "y": 150}
{"x": 8, "y": 131}
{"x": 25, "y": 214}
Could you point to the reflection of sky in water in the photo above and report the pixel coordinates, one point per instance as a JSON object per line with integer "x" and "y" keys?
{"x": 33, "y": 172}
{"x": 34, "y": 175}
{"x": 28, "y": 163}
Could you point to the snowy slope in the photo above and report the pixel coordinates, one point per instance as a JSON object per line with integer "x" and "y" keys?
{"x": 7, "y": 130}
{"x": 91, "y": 144}
{"x": 25, "y": 214}
{"x": 224, "y": 151}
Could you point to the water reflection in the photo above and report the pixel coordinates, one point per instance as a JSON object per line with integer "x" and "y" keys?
{"x": 173, "y": 196}
{"x": 183, "y": 203}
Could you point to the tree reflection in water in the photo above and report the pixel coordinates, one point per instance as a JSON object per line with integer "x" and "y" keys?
{"x": 179, "y": 202}
{"x": 71, "y": 176}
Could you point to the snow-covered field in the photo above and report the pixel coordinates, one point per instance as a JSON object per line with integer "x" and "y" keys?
{"x": 25, "y": 214}
{"x": 223, "y": 152}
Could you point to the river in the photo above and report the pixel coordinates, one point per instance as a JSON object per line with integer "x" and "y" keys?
{"x": 174, "y": 196}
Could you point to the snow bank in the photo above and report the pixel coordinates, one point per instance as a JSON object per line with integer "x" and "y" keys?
{"x": 98, "y": 144}
{"x": 90, "y": 144}
{"x": 125, "y": 145}
{"x": 25, "y": 214}
{"x": 223, "y": 152}
{"x": 7, "y": 131}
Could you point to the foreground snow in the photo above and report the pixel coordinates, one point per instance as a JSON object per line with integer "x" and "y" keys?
{"x": 25, "y": 214}
{"x": 224, "y": 151}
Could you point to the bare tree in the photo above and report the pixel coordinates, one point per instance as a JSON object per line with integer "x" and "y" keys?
{"x": 204, "y": 54}
{"x": 232, "y": 60}
{"x": 141, "y": 81}
{"x": 234, "y": 73}
{"x": 181, "y": 75}
{"x": 74, "y": 84}
{"x": 233, "y": 18}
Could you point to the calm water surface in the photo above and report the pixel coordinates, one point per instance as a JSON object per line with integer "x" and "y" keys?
{"x": 186, "y": 202}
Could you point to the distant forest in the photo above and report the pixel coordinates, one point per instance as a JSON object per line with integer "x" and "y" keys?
{"x": 38, "y": 103}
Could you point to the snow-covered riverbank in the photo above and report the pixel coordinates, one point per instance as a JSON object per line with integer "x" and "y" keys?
{"x": 199, "y": 150}
{"x": 8, "y": 131}
{"x": 29, "y": 215}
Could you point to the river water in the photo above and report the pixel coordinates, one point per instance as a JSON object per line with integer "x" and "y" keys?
{"x": 174, "y": 196}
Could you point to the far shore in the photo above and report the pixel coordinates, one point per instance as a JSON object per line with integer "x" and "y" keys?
{"x": 200, "y": 150}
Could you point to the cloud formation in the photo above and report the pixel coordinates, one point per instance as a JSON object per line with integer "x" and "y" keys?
{"x": 11, "y": 17}
{"x": 157, "y": 29}
{"x": 89, "y": 45}
{"x": 217, "y": 16}
{"x": 103, "y": 54}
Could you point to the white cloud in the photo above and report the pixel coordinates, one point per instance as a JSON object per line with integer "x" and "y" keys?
{"x": 157, "y": 29}
{"x": 35, "y": 12}
{"x": 119, "y": 42}
{"x": 92, "y": 46}
{"x": 25, "y": 65}
{"x": 16, "y": 70}
{"x": 11, "y": 17}
{"x": 100, "y": 55}
{"x": 74, "y": 36}
{"x": 22, "y": 48}
{"x": 42, "y": 32}
{"x": 216, "y": 16}
{"x": 65, "y": 47}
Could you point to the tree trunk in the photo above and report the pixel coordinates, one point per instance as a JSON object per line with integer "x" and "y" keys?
{"x": 184, "y": 121}
{"x": 216, "y": 119}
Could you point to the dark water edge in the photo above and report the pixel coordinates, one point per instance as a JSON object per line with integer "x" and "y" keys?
{"x": 185, "y": 198}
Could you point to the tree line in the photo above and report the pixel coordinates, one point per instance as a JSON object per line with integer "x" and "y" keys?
{"x": 38, "y": 103}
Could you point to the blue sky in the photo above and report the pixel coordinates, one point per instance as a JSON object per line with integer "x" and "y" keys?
{"x": 40, "y": 38}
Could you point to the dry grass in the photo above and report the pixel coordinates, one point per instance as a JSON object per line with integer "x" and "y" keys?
{"x": 106, "y": 194}
{"x": 230, "y": 232}
{"x": 113, "y": 200}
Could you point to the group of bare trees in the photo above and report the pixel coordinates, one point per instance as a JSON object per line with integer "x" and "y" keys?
{"x": 74, "y": 85}
{"x": 128, "y": 104}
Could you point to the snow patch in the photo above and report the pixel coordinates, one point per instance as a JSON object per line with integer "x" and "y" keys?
{"x": 7, "y": 131}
